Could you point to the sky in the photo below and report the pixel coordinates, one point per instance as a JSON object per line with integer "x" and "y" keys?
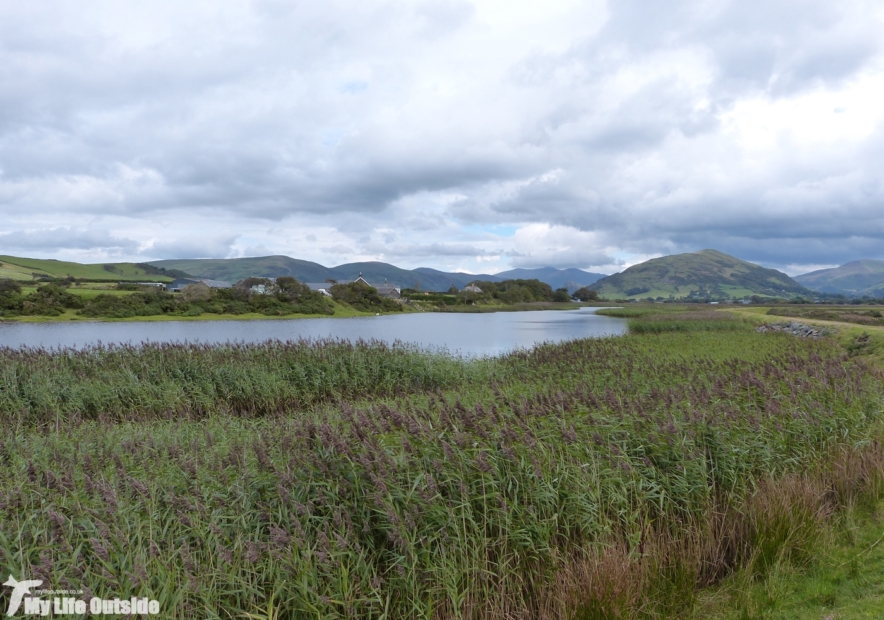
{"x": 461, "y": 135}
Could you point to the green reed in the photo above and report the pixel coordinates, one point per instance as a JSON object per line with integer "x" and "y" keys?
{"x": 394, "y": 483}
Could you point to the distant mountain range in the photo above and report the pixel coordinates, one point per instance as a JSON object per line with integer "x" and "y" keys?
{"x": 858, "y": 278}
{"x": 424, "y": 278}
{"x": 707, "y": 273}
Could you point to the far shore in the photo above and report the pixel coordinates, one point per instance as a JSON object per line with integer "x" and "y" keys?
{"x": 341, "y": 312}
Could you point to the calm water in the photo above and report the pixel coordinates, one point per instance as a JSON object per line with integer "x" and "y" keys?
{"x": 467, "y": 334}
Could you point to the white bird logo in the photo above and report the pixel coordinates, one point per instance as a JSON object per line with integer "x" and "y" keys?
{"x": 19, "y": 589}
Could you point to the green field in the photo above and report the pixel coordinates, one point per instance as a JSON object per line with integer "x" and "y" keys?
{"x": 25, "y": 269}
{"x": 663, "y": 474}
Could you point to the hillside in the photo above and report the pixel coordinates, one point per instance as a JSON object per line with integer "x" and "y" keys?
{"x": 236, "y": 269}
{"x": 23, "y": 269}
{"x": 446, "y": 279}
{"x": 424, "y": 278}
{"x": 859, "y": 277}
{"x": 378, "y": 272}
{"x": 572, "y": 279}
{"x": 705, "y": 273}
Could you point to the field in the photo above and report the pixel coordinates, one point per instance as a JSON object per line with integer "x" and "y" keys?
{"x": 647, "y": 476}
{"x": 24, "y": 269}
{"x": 857, "y": 314}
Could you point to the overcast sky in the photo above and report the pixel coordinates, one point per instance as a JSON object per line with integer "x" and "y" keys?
{"x": 461, "y": 135}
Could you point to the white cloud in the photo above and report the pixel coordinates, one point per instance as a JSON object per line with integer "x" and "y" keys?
{"x": 408, "y": 131}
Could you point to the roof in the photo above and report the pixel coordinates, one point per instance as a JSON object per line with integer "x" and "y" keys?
{"x": 182, "y": 282}
{"x": 216, "y": 283}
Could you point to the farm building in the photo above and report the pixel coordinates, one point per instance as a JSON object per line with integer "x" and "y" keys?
{"x": 391, "y": 291}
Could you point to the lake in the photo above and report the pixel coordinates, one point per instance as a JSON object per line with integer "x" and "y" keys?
{"x": 463, "y": 334}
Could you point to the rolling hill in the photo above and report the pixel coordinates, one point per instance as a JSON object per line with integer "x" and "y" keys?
{"x": 424, "y": 278}
{"x": 705, "y": 273}
{"x": 24, "y": 269}
{"x": 860, "y": 277}
{"x": 572, "y": 279}
{"x": 236, "y": 269}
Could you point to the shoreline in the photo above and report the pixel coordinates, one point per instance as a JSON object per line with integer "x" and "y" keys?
{"x": 340, "y": 313}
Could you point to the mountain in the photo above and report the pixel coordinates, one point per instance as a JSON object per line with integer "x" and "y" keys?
{"x": 705, "y": 273}
{"x": 449, "y": 279}
{"x": 236, "y": 269}
{"x": 424, "y": 278}
{"x": 23, "y": 269}
{"x": 860, "y": 277}
{"x": 556, "y": 278}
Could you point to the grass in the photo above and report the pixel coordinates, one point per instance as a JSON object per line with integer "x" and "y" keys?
{"x": 341, "y": 311}
{"x": 86, "y": 291}
{"x": 858, "y": 314}
{"x": 845, "y": 582}
{"x": 517, "y": 307}
{"x": 18, "y": 268}
{"x": 602, "y": 478}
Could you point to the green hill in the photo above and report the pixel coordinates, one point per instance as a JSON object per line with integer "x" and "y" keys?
{"x": 236, "y": 269}
{"x": 24, "y": 269}
{"x": 424, "y": 278}
{"x": 862, "y": 277}
{"x": 707, "y": 273}
{"x": 572, "y": 279}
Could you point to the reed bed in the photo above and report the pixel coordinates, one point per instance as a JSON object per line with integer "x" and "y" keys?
{"x": 590, "y": 479}
{"x": 125, "y": 382}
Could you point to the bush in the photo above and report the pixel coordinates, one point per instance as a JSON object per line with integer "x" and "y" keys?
{"x": 585, "y": 294}
{"x": 363, "y": 297}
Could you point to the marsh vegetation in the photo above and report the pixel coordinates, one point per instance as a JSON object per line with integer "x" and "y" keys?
{"x": 597, "y": 478}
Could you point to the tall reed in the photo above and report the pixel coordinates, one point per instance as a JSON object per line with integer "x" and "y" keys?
{"x": 595, "y": 478}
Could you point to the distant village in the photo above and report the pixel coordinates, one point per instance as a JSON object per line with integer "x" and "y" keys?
{"x": 390, "y": 291}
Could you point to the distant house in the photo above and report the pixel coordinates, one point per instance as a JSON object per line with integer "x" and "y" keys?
{"x": 391, "y": 291}
{"x": 471, "y": 288}
{"x": 181, "y": 283}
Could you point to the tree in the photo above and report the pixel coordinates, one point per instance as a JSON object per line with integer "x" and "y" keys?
{"x": 561, "y": 295}
{"x": 585, "y": 294}
{"x": 291, "y": 289}
{"x": 9, "y": 287}
{"x": 256, "y": 286}
{"x": 363, "y": 297}
{"x": 196, "y": 292}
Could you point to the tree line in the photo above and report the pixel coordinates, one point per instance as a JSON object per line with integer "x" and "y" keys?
{"x": 281, "y": 297}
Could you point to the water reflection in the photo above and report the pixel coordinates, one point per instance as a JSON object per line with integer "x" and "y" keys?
{"x": 465, "y": 334}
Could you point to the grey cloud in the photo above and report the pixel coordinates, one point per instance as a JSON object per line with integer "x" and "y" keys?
{"x": 55, "y": 239}
{"x": 340, "y": 114}
{"x": 198, "y": 247}
{"x": 563, "y": 259}
{"x": 440, "y": 249}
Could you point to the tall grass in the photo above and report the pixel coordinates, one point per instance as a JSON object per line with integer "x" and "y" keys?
{"x": 593, "y": 478}
{"x": 120, "y": 382}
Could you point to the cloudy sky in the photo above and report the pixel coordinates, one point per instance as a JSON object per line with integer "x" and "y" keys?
{"x": 473, "y": 135}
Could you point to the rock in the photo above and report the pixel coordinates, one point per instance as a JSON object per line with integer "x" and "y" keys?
{"x": 792, "y": 327}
